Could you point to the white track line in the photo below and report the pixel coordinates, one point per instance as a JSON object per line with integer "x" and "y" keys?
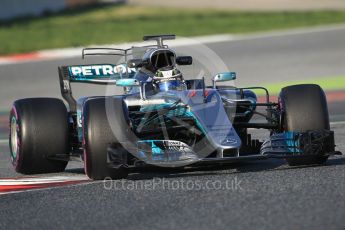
{"x": 45, "y": 181}
{"x": 338, "y": 123}
{"x": 41, "y": 180}
{"x": 3, "y": 141}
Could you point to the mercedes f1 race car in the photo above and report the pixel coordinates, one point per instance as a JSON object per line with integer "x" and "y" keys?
{"x": 163, "y": 119}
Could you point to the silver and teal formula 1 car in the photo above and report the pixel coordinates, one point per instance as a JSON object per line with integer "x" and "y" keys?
{"x": 163, "y": 119}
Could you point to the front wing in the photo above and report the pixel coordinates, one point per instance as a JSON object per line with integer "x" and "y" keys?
{"x": 170, "y": 153}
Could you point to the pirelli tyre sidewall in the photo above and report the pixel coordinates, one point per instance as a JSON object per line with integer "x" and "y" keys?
{"x": 304, "y": 109}
{"x": 38, "y": 131}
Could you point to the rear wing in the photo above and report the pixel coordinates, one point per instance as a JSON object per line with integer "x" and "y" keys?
{"x": 99, "y": 73}
{"x": 95, "y": 74}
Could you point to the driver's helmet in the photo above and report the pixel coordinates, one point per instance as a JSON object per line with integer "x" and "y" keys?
{"x": 169, "y": 79}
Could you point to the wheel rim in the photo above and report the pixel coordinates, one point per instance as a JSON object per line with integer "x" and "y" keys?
{"x": 14, "y": 139}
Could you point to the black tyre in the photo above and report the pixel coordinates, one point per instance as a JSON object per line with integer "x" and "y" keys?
{"x": 39, "y": 129}
{"x": 305, "y": 108}
{"x": 98, "y": 136}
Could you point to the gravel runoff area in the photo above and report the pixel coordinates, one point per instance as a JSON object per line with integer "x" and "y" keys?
{"x": 250, "y": 5}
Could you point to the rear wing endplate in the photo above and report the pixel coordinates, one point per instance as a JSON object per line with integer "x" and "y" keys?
{"x": 95, "y": 74}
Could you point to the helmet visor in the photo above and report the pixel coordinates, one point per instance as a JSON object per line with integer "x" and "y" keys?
{"x": 171, "y": 85}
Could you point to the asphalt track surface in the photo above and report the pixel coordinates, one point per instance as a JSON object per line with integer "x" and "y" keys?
{"x": 260, "y": 195}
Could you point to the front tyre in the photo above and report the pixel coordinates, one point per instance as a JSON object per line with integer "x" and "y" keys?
{"x": 304, "y": 109}
{"x": 98, "y": 137}
{"x": 38, "y": 130}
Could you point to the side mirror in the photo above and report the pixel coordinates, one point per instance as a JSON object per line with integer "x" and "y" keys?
{"x": 127, "y": 82}
{"x": 226, "y": 76}
{"x": 184, "y": 60}
{"x": 136, "y": 63}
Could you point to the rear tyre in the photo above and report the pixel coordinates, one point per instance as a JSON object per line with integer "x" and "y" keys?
{"x": 38, "y": 130}
{"x": 98, "y": 136}
{"x": 305, "y": 109}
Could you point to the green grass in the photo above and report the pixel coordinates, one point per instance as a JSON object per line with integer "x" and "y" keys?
{"x": 122, "y": 23}
{"x": 327, "y": 84}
